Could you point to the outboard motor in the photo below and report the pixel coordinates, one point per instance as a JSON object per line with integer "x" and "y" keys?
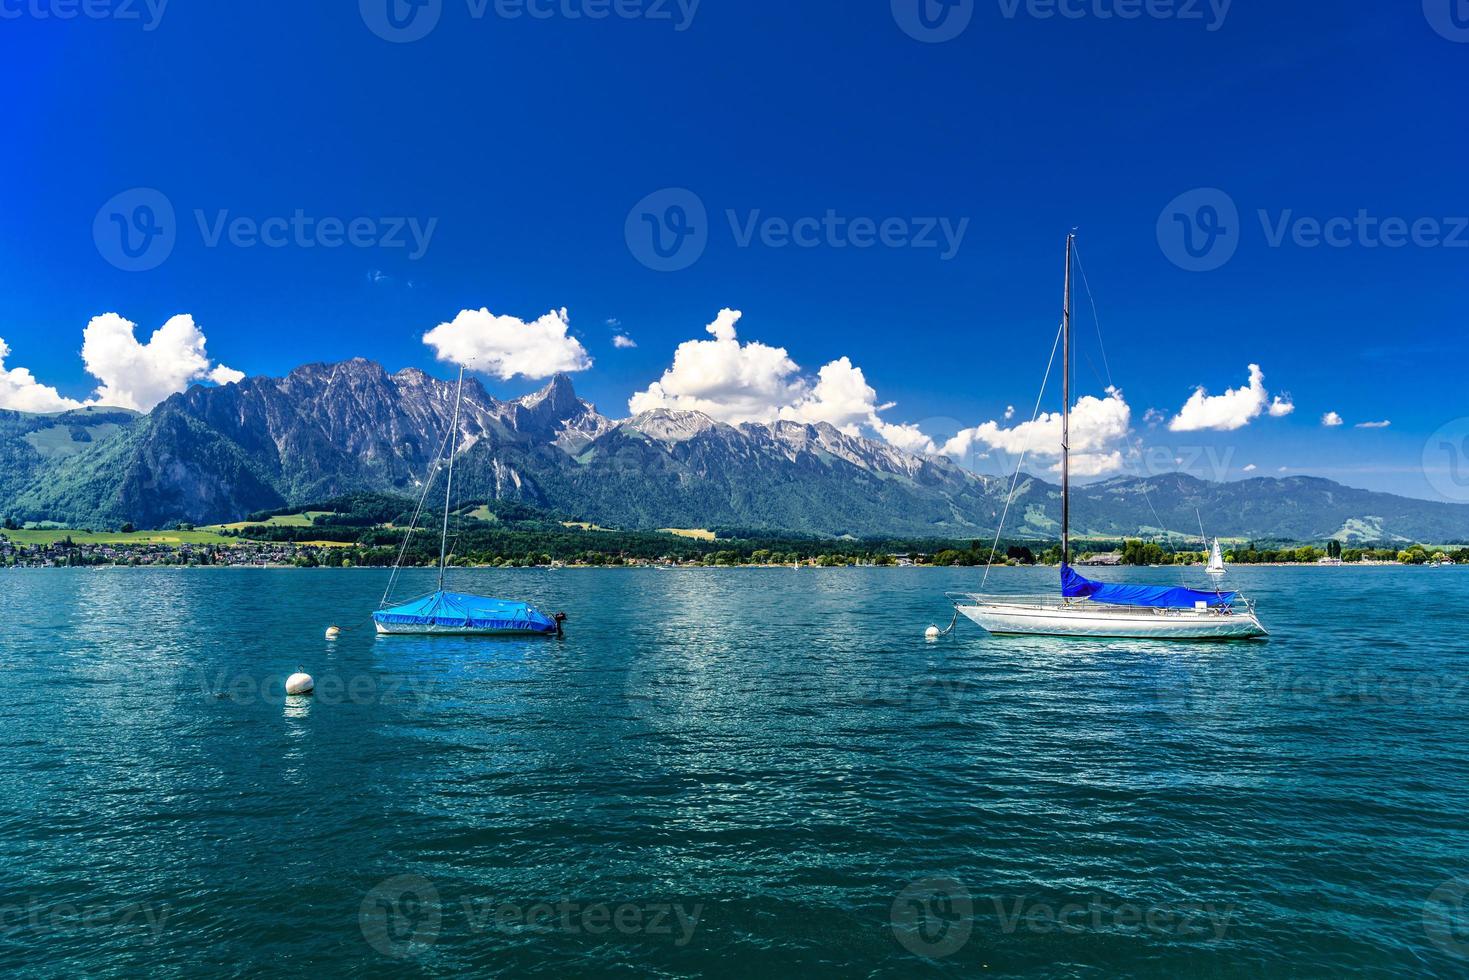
{"x": 560, "y": 618}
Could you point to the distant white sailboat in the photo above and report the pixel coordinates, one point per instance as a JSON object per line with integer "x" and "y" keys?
{"x": 1096, "y": 609}
{"x": 1216, "y": 562}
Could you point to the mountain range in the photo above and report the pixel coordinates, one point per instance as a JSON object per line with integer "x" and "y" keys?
{"x": 216, "y": 454}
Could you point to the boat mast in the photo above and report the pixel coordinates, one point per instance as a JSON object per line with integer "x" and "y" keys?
{"x": 449, "y": 483}
{"x": 1066, "y": 411}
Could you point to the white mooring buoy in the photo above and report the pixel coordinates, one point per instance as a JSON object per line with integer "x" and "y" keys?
{"x": 932, "y": 633}
{"x": 332, "y": 632}
{"x": 300, "y": 684}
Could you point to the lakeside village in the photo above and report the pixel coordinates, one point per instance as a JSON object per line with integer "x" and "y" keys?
{"x": 189, "y": 548}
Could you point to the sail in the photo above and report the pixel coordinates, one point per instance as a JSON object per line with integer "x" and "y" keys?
{"x": 1216, "y": 560}
{"x": 1073, "y": 586}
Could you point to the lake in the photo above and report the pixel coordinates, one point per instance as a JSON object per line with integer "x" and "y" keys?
{"x": 736, "y": 772}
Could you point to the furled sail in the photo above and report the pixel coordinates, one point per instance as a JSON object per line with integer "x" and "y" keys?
{"x": 1073, "y": 586}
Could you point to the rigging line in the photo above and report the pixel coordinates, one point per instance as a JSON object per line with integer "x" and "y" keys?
{"x": 1096, "y": 320}
{"x": 1208, "y": 556}
{"x": 428, "y": 483}
{"x": 449, "y": 483}
{"x": 1015, "y": 480}
{"x": 1133, "y": 443}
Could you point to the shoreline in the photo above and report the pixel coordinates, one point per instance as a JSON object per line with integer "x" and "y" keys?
{"x": 630, "y": 566}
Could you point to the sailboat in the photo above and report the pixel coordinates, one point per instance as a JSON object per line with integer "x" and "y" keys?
{"x": 444, "y": 613}
{"x": 1216, "y": 562}
{"x": 1097, "y": 609}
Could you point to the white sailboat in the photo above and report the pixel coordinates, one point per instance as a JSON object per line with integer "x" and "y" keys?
{"x": 444, "y": 613}
{"x": 1096, "y": 609}
{"x": 1216, "y": 562}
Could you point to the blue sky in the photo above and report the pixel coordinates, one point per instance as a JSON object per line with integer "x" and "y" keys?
{"x": 521, "y": 146}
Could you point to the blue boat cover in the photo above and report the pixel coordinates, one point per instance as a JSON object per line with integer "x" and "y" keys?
{"x": 1073, "y": 586}
{"x": 459, "y": 611}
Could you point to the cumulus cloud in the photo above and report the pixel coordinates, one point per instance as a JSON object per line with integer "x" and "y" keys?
{"x": 906, "y": 437}
{"x": 840, "y": 396}
{"x": 1234, "y": 409}
{"x": 137, "y": 375}
{"x": 1374, "y": 425}
{"x": 725, "y": 379}
{"x": 507, "y": 346}
{"x": 1098, "y": 426}
{"x": 1009, "y": 412}
{"x": 1331, "y": 420}
{"x": 734, "y": 382}
{"x": 1250, "y": 468}
{"x": 623, "y": 342}
{"x": 21, "y": 392}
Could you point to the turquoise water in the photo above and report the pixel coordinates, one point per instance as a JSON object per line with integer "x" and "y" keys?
{"x": 728, "y": 772}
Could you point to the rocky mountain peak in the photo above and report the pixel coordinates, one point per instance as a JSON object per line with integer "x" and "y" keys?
{"x": 558, "y": 398}
{"x": 356, "y": 367}
{"x": 668, "y": 425}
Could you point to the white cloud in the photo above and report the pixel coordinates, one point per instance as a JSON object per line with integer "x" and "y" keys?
{"x": 906, "y": 437}
{"x": 1331, "y": 420}
{"x": 1098, "y": 425}
{"x": 738, "y": 382}
{"x": 507, "y": 346}
{"x": 623, "y": 342}
{"x": 1154, "y": 418}
{"x": 139, "y": 376}
{"x": 21, "y": 392}
{"x": 1234, "y": 409}
{"x": 1374, "y": 425}
{"x": 1250, "y": 468}
{"x": 725, "y": 379}
{"x": 1009, "y": 412}
{"x": 1281, "y": 406}
{"x": 841, "y": 396}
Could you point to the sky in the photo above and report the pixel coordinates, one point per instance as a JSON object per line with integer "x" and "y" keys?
{"x": 836, "y": 211}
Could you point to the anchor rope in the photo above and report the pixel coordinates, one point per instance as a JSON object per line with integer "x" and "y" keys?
{"x": 952, "y": 623}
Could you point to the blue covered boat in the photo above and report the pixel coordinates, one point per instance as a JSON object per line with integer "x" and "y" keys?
{"x": 444, "y": 613}
{"x": 466, "y": 615}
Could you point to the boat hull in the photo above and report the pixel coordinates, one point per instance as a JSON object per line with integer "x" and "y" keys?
{"x": 1114, "y": 622}
{"x": 404, "y": 629}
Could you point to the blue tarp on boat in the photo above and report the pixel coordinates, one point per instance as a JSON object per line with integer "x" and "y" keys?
{"x": 455, "y": 610}
{"x": 1073, "y": 586}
